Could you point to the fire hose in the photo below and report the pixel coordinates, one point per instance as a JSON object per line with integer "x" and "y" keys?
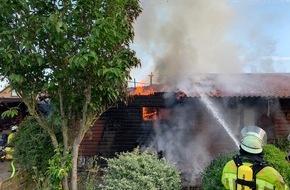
{"x": 13, "y": 169}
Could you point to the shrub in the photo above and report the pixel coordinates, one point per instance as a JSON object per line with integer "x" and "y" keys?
{"x": 59, "y": 167}
{"x": 32, "y": 147}
{"x": 276, "y": 158}
{"x": 90, "y": 177}
{"x": 282, "y": 143}
{"x": 135, "y": 170}
{"x": 211, "y": 176}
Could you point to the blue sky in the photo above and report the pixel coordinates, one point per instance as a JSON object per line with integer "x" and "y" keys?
{"x": 259, "y": 29}
{"x": 273, "y": 16}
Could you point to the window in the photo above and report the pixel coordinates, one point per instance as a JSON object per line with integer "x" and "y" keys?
{"x": 149, "y": 113}
{"x": 250, "y": 116}
{"x": 13, "y": 93}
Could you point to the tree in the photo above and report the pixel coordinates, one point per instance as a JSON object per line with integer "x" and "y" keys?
{"x": 74, "y": 53}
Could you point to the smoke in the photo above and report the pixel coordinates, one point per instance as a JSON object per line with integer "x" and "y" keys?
{"x": 188, "y": 37}
{"x": 191, "y": 139}
{"x": 182, "y": 38}
{"x": 180, "y": 144}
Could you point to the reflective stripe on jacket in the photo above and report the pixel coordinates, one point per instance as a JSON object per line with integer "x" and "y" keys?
{"x": 266, "y": 179}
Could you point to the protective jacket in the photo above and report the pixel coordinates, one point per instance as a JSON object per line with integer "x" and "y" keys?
{"x": 266, "y": 179}
{"x": 9, "y": 148}
{"x": 10, "y": 138}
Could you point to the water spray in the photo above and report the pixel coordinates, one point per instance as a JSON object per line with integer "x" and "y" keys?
{"x": 215, "y": 112}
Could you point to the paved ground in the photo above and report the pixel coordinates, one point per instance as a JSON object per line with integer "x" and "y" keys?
{"x": 5, "y": 167}
{"x": 5, "y": 170}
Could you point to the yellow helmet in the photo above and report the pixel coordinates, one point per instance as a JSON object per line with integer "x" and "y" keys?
{"x": 251, "y": 143}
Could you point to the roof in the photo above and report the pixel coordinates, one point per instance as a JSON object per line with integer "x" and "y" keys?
{"x": 10, "y": 100}
{"x": 230, "y": 85}
{"x": 8, "y": 92}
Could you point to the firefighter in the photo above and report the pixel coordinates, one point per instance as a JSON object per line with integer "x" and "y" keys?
{"x": 248, "y": 170}
{"x": 9, "y": 148}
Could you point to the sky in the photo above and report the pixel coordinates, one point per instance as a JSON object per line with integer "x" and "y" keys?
{"x": 185, "y": 37}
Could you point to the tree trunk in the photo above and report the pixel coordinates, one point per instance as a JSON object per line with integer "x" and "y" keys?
{"x": 74, "y": 174}
{"x": 65, "y": 183}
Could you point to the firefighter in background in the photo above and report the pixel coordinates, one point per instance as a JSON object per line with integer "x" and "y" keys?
{"x": 249, "y": 170}
{"x": 9, "y": 148}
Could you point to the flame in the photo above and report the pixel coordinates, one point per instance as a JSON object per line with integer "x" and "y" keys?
{"x": 149, "y": 113}
{"x": 148, "y": 90}
{"x": 143, "y": 90}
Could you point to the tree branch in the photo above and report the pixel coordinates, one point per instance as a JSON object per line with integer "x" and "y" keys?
{"x": 30, "y": 103}
{"x": 64, "y": 128}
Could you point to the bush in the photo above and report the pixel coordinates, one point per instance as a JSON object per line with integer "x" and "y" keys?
{"x": 32, "y": 147}
{"x": 90, "y": 176}
{"x": 135, "y": 170}
{"x": 282, "y": 143}
{"x": 59, "y": 167}
{"x": 211, "y": 176}
{"x": 276, "y": 158}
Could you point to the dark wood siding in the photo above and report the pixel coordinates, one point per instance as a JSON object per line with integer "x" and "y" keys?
{"x": 92, "y": 139}
{"x": 282, "y": 118}
{"x": 122, "y": 128}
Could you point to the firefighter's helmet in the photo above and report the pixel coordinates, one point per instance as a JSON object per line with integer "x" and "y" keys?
{"x": 253, "y": 139}
{"x": 252, "y": 144}
{"x": 14, "y": 128}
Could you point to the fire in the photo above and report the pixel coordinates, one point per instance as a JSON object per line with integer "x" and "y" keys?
{"x": 149, "y": 113}
{"x": 143, "y": 90}
{"x": 149, "y": 90}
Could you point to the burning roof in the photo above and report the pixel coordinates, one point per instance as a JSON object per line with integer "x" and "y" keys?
{"x": 227, "y": 85}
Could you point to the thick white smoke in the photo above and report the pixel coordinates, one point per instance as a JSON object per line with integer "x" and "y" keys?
{"x": 186, "y": 37}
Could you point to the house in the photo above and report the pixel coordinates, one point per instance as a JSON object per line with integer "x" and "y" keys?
{"x": 197, "y": 122}
{"x": 192, "y": 124}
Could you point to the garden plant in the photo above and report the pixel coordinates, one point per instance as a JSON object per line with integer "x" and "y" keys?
{"x": 135, "y": 170}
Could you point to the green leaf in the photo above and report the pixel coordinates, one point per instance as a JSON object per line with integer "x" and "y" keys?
{"x": 39, "y": 60}
{"x": 12, "y": 112}
{"x": 16, "y": 78}
{"x": 86, "y": 57}
{"x": 58, "y": 26}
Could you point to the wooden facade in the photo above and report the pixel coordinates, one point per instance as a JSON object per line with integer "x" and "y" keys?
{"x": 119, "y": 128}
{"x": 124, "y": 127}
{"x": 184, "y": 130}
